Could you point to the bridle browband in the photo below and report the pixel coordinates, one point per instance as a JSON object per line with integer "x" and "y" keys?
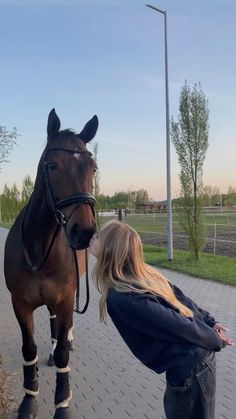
{"x": 56, "y": 205}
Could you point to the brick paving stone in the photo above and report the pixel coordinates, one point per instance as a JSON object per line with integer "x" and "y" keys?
{"x": 107, "y": 381}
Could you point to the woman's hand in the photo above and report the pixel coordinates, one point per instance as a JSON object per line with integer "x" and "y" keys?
{"x": 220, "y": 330}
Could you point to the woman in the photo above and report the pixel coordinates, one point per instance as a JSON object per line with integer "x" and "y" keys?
{"x": 163, "y": 328}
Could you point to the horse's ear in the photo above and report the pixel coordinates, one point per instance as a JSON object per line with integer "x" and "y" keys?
{"x": 54, "y": 124}
{"x": 90, "y": 129}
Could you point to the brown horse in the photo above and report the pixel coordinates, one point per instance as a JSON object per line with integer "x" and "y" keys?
{"x": 40, "y": 253}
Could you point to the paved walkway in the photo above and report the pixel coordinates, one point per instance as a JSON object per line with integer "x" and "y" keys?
{"x": 107, "y": 381}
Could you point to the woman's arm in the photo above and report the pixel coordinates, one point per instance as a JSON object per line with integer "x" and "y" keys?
{"x": 143, "y": 312}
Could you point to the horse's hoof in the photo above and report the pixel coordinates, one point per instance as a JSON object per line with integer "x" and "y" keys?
{"x": 28, "y": 408}
{"x": 62, "y": 413}
{"x": 51, "y": 362}
{"x": 71, "y": 345}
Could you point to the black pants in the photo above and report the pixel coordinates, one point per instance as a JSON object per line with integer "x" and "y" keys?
{"x": 195, "y": 397}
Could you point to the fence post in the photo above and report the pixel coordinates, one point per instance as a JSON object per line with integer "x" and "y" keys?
{"x": 214, "y": 239}
{"x": 120, "y": 214}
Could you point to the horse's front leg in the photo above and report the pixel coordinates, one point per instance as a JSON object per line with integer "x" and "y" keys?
{"x": 70, "y": 336}
{"x": 28, "y": 408}
{"x": 63, "y": 393}
{"x": 53, "y": 327}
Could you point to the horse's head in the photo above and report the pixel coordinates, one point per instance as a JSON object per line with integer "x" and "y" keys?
{"x": 68, "y": 170}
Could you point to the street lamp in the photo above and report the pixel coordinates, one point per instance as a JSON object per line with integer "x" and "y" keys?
{"x": 168, "y": 177}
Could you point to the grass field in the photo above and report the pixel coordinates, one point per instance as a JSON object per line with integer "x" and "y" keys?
{"x": 212, "y": 267}
{"x": 220, "y": 231}
{"x": 156, "y": 223}
{"x": 209, "y": 266}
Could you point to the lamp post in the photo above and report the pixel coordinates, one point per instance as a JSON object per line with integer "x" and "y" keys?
{"x": 168, "y": 176}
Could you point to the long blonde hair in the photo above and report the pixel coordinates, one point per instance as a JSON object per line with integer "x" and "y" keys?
{"x": 120, "y": 265}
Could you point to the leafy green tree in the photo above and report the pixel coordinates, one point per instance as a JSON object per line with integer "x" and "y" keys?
{"x": 10, "y": 203}
{"x": 15, "y": 200}
{"x": 190, "y": 138}
{"x": 120, "y": 200}
{"x": 210, "y": 195}
{"x": 103, "y": 202}
{"x": 141, "y": 197}
{"x": 5, "y": 204}
{"x": 230, "y": 198}
{"x": 27, "y": 189}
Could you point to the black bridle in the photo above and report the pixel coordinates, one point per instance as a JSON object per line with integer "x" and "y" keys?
{"x": 77, "y": 198}
{"x": 56, "y": 205}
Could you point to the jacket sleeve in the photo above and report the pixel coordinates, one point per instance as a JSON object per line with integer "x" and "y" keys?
{"x": 144, "y": 313}
{"x": 207, "y": 317}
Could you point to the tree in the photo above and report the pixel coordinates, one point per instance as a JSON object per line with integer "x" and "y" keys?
{"x": 5, "y": 204}
{"x": 210, "y": 195}
{"x": 7, "y": 141}
{"x": 120, "y": 200}
{"x": 231, "y": 189}
{"x": 207, "y": 194}
{"x": 27, "y": 189}
{"x": 141, "y": 197}
{"x": 96, "y": 179}
{"x": 10, "y": 202}
{"x": 230, "y": 198}
{"x": 15, "y": 200}
{"x": 190, "y": 138}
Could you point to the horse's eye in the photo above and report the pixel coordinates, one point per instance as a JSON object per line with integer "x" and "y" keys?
{"x": 94, "y": 170}
{"x": 52, "y": 166}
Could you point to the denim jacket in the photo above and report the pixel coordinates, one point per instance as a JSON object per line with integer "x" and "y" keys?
{"x": 158, "y": 335}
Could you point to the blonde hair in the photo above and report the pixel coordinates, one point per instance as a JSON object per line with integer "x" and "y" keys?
{"x": 120, "y": 265}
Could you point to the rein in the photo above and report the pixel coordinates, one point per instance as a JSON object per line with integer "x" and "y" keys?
{"x": 56, "y": 205}
{"x": 77, "y": 308}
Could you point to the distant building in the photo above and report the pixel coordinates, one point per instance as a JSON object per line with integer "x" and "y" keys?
{"x": 157, "y": 206}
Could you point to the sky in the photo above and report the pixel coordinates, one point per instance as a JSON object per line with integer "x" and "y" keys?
{"x": 107, "y": 58}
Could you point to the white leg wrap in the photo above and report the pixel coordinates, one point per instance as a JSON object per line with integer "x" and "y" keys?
{"x": 65, "y": 403}
{"x": 28, "y": 363}
{"x": 63, "y": 370}
{"x": 70, "y": 336}
{"x": 53, "y": 317}
{"x": 30, "y": 392}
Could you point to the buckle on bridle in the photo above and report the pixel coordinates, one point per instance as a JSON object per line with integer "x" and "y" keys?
{"x": 60, "y": 217}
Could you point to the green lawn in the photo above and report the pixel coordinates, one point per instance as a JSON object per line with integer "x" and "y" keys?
{"x": 156, "y": 223}
{"x": 217, "y": 268}
{"x": 221, "y": 218}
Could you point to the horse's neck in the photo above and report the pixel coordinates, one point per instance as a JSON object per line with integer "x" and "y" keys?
{"x": 40, "y": 225}
{"x": 39, "y": 222}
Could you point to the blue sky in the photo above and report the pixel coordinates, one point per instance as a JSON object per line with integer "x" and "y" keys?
{"x": 107, "y": 58}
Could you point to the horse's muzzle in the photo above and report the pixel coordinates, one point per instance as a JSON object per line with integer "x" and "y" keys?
{"x": 79, "y": 239}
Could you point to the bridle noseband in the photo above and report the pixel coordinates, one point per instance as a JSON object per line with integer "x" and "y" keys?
{"x": 56, "y": 205}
